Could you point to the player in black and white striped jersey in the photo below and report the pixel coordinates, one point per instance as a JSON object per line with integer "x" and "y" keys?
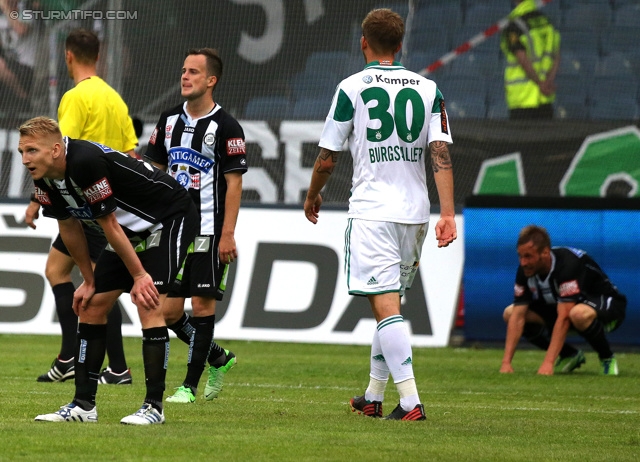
{"x": 149, "y": 222}
{"x": 203, "y": 148}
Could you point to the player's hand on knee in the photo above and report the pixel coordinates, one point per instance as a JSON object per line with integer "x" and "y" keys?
{"x": 144, "y": 293}
{"x": 81, "y": 297}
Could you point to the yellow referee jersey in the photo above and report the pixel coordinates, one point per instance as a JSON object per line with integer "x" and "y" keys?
{"x": 94, "y": 111}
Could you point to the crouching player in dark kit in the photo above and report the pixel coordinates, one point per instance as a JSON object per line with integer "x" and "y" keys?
{"x": 557, "y": 289}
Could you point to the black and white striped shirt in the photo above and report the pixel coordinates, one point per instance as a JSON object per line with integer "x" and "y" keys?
{"x": 199, "y": 152}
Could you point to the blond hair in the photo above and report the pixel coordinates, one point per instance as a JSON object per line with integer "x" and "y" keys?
{"x": 40, "y": 126}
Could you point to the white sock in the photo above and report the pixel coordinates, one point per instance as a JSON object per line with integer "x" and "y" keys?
{"x": 396, "y": 348}
{"x": 408, "y": 391}
{"x": 378, "y": 372}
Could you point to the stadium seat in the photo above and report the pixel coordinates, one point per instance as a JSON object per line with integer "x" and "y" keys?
{"x": 418, "y": 60}
{"x": 572, "y": 63}
{"x": 576, "y": 85}
{"x": 627, "y": 15}
{"x": 615, "y": 64}
{"x": 464, "y": 90}
{"x": 498, "y": 109}
{"x": 489, "y": 45}
{"x": 466, "y": 108}
{"x": 553, "y": 12}
{"x": 608, "y": 94}
{"x": 613, "y": 87}
{"x": 621, "y": 39}
{"x": 479, "y": 16}
{"x": 425, "y": 3}
{"x": 602, "y": 109}
{"x": 310, "y": 109}
{"x": 319, "y": 84}
{"x": 588, "y": 16}
{"x": 495, "y": 91}
{"x": 435, "y": 39}
{"x": 620, "y": 3}
{"x": 569, "y": 108}
{"x": 475, "y": 64}
{"x": 571, "y": 97}
{"x": 267, "y": 107}
{"x": 580, "y": 41}
{"x": 402, "y": 8}
{"x": 339, "y": 62}
{"x": 448, "y": 15}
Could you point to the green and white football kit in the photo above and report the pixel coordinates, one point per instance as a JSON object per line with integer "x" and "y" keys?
{"x": 388, "y": 115}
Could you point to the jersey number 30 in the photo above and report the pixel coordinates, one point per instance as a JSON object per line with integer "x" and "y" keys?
{"x": 387, "y": 121}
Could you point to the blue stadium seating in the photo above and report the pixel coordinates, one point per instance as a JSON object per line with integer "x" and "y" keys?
{"x": 572, "y": 63}
{"x": 418, "y": 60}
{"x": 583, "y": 42}
{"x": 319, "y": 84}
{"x": 448, "y": 15}
{"x": 613, "y": 87}
{"x": 627, "y": 15}
{"x": 588, "y": 16}
{"x": 475, "y": 64}
{"x": 614, "y": 110}
{"x": 553, "y": 12}
{"x": 623, "y": 39}
{"x": 615, "y": 64}
{"x": 337, "y": 62}
{"x": 571, "y": 108}
{"x": 490, "y": 44}
{"x": 571, "y": 97}
{"x": 498, "y": 109}
{"x": 479, "y": 16}
{"x": 267, "y": 107}
{"x": 613, "y": 97}
{"x": 402, "y": 8}
{"x": 464, "y": 86}
{"x": 435, "y": 38}
{"x": 495, "y": 91}
{"x": 466, "y": 108}
{"x": 310, "y": 109}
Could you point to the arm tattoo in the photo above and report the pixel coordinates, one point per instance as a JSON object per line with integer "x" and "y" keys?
{"x": 326, "y": 161}
{"x": 440, "y": 158}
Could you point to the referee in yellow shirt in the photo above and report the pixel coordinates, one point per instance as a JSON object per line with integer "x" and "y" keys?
{"x": 93, "y": 111}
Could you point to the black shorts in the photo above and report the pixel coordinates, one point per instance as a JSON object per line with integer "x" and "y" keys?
{"x": 161, "y": 254}
{"x": 548, "y": 313}
{"x": 204, "y": 274}
{"x": 611, "y": 311}
{"x": 95, "y": 240}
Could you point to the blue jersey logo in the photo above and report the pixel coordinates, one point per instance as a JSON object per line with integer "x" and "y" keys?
{"x": 81, "y": 213}
{"x": 103, "y": 147}
{"x": 190, "y": 157}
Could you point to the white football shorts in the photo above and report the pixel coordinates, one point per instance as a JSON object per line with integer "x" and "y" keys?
{"x": 381, "y": 256}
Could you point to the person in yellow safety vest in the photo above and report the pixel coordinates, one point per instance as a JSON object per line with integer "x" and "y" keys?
{"x": 532, "y": 48}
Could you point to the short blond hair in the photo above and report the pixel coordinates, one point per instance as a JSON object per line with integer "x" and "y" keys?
{"x": 40, "y": 126}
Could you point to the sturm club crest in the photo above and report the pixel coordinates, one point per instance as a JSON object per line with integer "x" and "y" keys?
{"x": 209, "y": 139}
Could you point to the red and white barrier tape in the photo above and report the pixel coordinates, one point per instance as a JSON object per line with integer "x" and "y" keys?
{"x": 473, "y": 42}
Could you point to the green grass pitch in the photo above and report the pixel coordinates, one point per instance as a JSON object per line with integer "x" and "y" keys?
{"x": 290, "y": 402}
